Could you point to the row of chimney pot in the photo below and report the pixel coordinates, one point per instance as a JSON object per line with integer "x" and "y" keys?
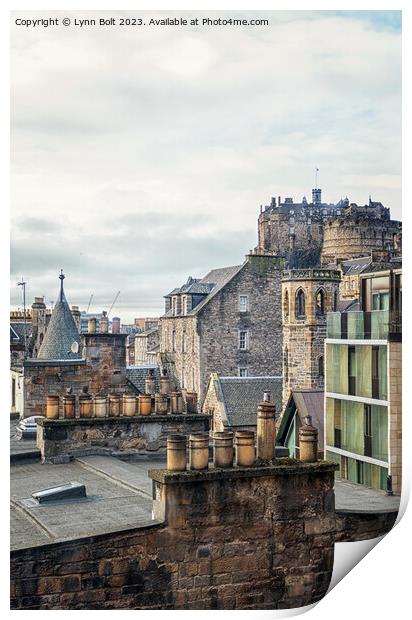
{"x": 246, "y": 448}
{"x": 115, "y": 405}
{"x": 104, "y": 325}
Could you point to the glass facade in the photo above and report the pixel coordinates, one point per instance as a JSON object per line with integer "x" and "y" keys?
{"x": 350, "y": 370}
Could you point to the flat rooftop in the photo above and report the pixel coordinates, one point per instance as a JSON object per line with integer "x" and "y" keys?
{"x": 119, "y": 496}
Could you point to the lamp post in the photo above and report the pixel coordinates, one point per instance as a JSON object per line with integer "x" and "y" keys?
{"x": 23, "y": 284}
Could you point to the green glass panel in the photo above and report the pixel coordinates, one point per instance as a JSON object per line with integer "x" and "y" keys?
{"x": 333, "y": 324}
{"x": 330, "y": 404}
{"x": 352, "y": 473}
{"x": 383, "y": 373}
{"x": 355, "y": 325}
{"x": 380, "y": 320}
{"x": 379, "y": 433}
{"x": 367, "y": 474}
{"x": 291, "y": 438}
{"x": 364, "y": 371}
{"x": 383, "y": 478}
{"x": 352, "y": 427}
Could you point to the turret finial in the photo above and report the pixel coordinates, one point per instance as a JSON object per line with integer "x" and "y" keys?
{"x": 61, "y": 278}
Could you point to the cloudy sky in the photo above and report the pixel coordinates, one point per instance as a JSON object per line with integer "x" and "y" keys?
{"x": 141, "y": 156}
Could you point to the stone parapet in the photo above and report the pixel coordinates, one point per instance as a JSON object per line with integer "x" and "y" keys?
{"x": 59, "y": 439}
{"x": 311, "y": 274}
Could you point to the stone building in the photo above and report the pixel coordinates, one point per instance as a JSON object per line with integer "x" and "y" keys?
{"x": 147, "y": 345}
{"x": 228, "y": 322}
{"x": 307, "y": 295}
{"x": 232, "y": 401}
{"x": 309, "y": 233}
{"x": 363, "y": 429}
{"x": 67, "y": 359}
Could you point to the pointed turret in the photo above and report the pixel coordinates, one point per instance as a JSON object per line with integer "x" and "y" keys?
{"x": 62, "y": 340}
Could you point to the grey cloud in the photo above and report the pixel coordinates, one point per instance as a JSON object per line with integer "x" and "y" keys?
{"x": 137, "y": 161}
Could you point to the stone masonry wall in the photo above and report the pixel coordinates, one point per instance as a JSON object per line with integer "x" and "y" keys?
{"x": 395, "y": 414}
{"x": 350, "y": 238}
{"x": 102, "y": 371}
{"x": 220, "y": 323}
{"x": 57, "y": 439}
{"x": 253, "y": 538}
{"x": 187, "y": 350}
{"x": 304, "y": 338}
{"x": 213, "y": 406}
{"x": 41, "y": 379}
{"x": 212, "y": 336}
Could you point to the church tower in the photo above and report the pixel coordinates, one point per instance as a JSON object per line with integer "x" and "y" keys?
{"x": 307, "y": 295}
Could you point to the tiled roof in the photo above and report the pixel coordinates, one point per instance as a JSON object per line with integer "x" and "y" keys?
{"x": 61, "y": 333}
{"x": 218, "y": 278}
{"x": 18, "y": 328}
{"x": 355, "y": 265}
{"x": 208, "y": 286}
{"x": 241, "y": 395}
{"x": 137, "y": 375}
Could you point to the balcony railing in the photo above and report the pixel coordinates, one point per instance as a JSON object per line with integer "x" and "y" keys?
{"x": 375, "y": 325}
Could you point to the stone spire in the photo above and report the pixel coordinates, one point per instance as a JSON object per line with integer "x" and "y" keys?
{"x": 62, "y": 340}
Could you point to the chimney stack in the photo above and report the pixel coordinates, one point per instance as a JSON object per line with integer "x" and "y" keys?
{"x": 115, "y": 325}
{"x": 266, "y": 428}
{"x": 308, "y": 442}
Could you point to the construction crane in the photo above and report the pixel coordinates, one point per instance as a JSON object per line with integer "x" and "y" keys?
{"x": 90, "y": 301}
{"x": 114, "y": 301}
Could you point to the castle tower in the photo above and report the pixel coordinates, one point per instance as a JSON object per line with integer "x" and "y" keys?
{"x": 307, "y": 295}
{"x": 317, "y": 196}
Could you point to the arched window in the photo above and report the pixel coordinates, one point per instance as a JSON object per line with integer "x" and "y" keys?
{"x": 321, "y": 367}
{"x": 320, "y": 302}
{"x": 286, "y": 305}
{"x": 300, "y": 304}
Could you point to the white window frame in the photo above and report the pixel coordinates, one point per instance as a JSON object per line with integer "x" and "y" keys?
{"x": 246, "y": 332}
{"x": 243, "y": 369}
{"x": 241, "y": 299}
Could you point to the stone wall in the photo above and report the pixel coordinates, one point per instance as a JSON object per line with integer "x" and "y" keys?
{"x": 220, "y": 323}
{"x": 212, "y": 335}
{"x": 103, "y": 370}
{"x": 252, "y": 538}
{"x": 213, "y": 406}
{"x": 280, "y": 233}
{"x": 352, "y": 526}
{"x": 58, "y": 440}
{"x": 105, "y": 355}
{"x": 183, "y": 359}
{"x": 395, "y": 413}
{"x": 353, "y": 237}
{"x": 304, "y": 338}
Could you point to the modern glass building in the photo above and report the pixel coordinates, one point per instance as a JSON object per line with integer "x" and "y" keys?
{"x": 363, "y": 384}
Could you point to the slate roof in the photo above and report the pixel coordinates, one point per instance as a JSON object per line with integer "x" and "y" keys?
{"x": 241, "y": 395}
{"x": 305, "y": 402}
{"x": 218, "y": 278}
{"x": 137, "y": 375}
{"x": 61, "y": 333}
{"x": 355, "y": 265}
{"x": 17, "y": 331}
{"x": 208, "y": 286}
